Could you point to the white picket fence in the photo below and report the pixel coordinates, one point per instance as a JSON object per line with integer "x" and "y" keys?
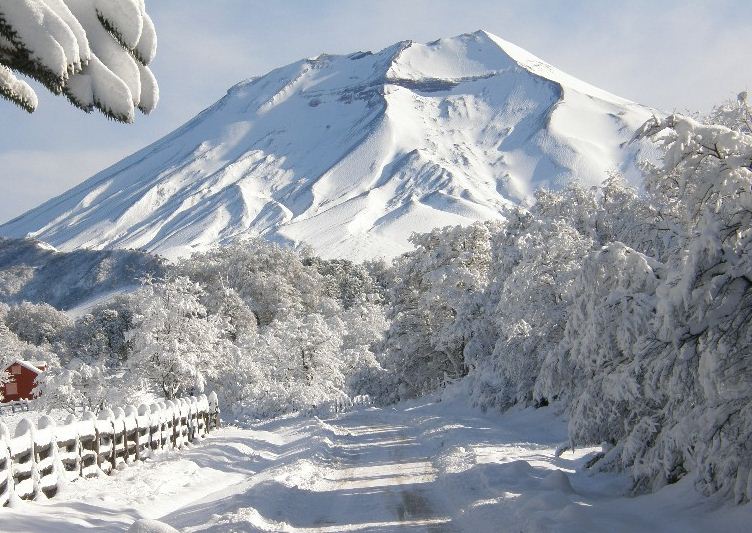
{"x": 36, "y": 460}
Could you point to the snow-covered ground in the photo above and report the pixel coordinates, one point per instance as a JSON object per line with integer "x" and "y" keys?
{"x": 11, "y": 419}
{"x": 418, "y": 467}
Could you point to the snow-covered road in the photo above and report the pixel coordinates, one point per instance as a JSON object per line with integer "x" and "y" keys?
{"x": 425, "y": 467}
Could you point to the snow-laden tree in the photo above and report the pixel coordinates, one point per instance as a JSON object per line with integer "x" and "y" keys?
{"x": 241, "y": 379}
{"x": 95, "y": 52}
{"x": 433, "y": 303}
{"x": 226, "y": 303}
{"x": 80, "y": 384}
{"x": 311, "y": 358}
{"x": 301, "y": 363}
{"x": 703, "y": 371}
{"x": 543, "y": 260}
{"x": 176, "y": 345}
{"x": 734, "y": 114}
{"x": 612, "y": 211}
{"x": 92, "y": 353}
{"x": 536, "y": 258}
{"x": 272, "y": 281}
{"x": 574, "y": 205}
{"x": 100, "y": 335}
{"x": 361, "y": 329}
{"x": 624, "y": 215}
{"x": 302, "y": 328}
{"x": 38, "y": 324}
{"x": 597, "y": 366}
{"x": 484, "y": 331}
{"x": 382, "y": 275}
{"x": 347, "y": 282}
{"x": 255, "y": 380}
{"x": 656, "y": 356}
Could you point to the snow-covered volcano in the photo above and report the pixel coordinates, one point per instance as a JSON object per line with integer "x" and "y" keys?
{"x": 351, "y": 154}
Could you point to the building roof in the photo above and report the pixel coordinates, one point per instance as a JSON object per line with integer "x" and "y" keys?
{"x": 34, "y": 366}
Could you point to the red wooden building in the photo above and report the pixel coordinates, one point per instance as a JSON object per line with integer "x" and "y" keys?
{"x": 21, "y": 383}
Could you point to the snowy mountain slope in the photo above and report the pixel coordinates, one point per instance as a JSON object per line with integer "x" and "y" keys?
{"x": 351, "y": 154}
{"x": 34, "y": 272}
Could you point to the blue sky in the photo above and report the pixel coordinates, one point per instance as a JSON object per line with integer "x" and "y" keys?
{"x": 667, "y": 54}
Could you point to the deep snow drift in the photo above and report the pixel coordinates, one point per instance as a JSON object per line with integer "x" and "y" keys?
{"x": 351, "y": 154}
{"x": 418, "y": 467}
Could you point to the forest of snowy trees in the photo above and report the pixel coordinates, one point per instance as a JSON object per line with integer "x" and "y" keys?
{"x": 629, "y": 310}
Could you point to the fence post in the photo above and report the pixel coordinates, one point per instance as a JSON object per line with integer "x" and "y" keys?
{"x": 88, "y": 439}
{"x": 143, "y": 432}
{"x": 155, "y": 428}
{"x": 6, "y": 467}
{"x": 119, "y": 444}
{"x": 181, "y": 424}
{"x": 106, "y": 440}
{"x": 193, "y": 417}
{"x": 214, "y": 408}
{"x": 23, "y": 461}
{"x": 180, "y": 408}
{"x": 49, "y": 465}
{"x": 188, "y": 420}
{"x": 162, "y": 407}
{"x": 187, "y": 413}
{"x": 131, "y": 434}
{"x": 69, "y": 445}
{"x": 171, "y": 417}
{"x": 97, "y": 444}
{"x": 118, "y": 436}
{"x": 166, "y": 425}
{"x": 206, "y": 416}
{"x": 200, "y": 419}
{"x": 177, "y": 423}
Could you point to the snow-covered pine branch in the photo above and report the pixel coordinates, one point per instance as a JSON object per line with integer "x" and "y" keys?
{"x": 95, "y": 52}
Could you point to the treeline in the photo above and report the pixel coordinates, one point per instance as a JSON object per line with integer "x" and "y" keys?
{"x": 270, "y": 329}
